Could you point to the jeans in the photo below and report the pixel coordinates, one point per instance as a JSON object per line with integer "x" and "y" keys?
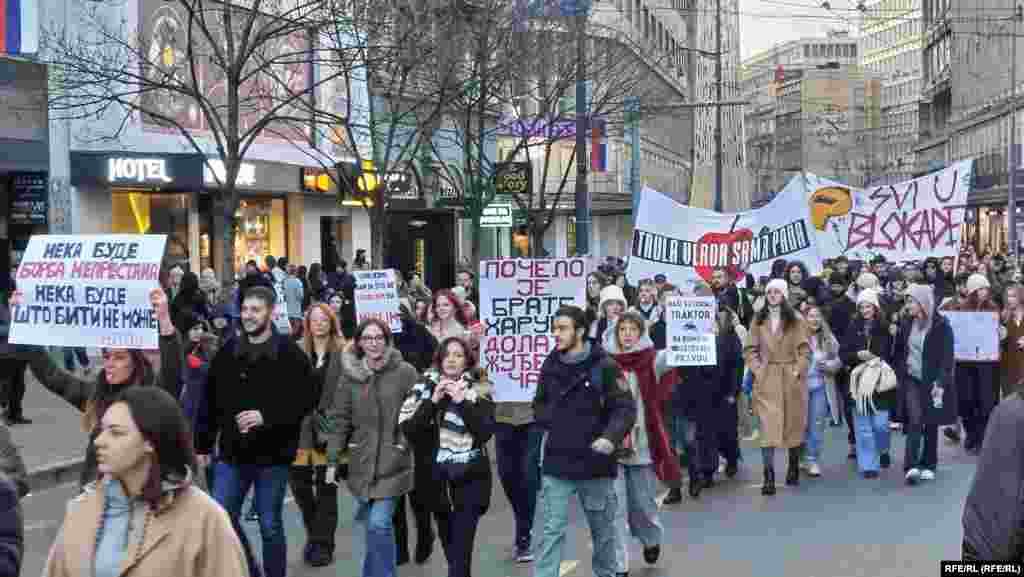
{"x": 637, "y": 512}
{"x": 599, "y": 504}
{"x": 922, "y": 448}
{"x": 817, "y": 412}
{"x": 380, "y": 559}
{"x": 231, "y": 483}
{"x": 318, "y": 502}
{"x": 461, "y": 529}
{"x": 518, "y": 455}
{"x": 872, "y": 439}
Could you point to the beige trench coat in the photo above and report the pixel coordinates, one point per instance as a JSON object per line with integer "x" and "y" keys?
{"x": 779, "y": 363}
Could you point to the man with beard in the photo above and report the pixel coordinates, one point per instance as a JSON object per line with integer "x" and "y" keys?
{"x": 730, "y": 297}
{"x": 260, "y": 387}
{"x": 584, "y": 405}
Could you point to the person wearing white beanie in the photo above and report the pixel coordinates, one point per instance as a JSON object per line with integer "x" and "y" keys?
{"x": 867, "y": 338}
{"x": 977, "y": 382}
{"x": 778, "y": 354}
{"x": 611, "y": 305}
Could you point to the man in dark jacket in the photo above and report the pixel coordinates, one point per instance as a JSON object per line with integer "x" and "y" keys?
{"x": 840, "y": 312}
{"x": 584, "y": 405}
{"x": 259, "y": 389}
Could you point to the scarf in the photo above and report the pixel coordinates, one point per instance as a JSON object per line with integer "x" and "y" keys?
{"x": 654, "y": 394}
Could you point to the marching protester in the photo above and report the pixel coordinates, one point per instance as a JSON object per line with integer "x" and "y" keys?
{"x": 1012, "y": 358}
{"x": 259, "y": 389}
{"x": 451, "y": 410}
{"x": 821, "y": 387}
{"x": 923, "y": 361}
{"x": 612, "y": 304}
{"x": 375, "y": 381}
{"x": 648, "y": 456}
{"x": 977, "y": 382}
{"x": 596, "y": 281}
{"x": 866, "y": 349}
{"x": 449, "y": 316}
{"x": 143, "y": 514}
{"x": 584, "y": 405}
{"x": 195, "y": 372}
{"x": 647, "y": 304}
{"x": 778, "y": 354}
{"x": 315, "y": 494}
{"x": 121, "y": 368}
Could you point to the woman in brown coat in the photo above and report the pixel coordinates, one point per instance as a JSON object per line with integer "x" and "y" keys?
{"x": 778, "y": 354}
{"x": 1013, "y": 345}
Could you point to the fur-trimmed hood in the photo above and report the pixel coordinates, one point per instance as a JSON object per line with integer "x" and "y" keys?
{"x": 354, "y": 369}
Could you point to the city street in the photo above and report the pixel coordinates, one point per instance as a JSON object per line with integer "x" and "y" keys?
{"x": 837, "y": 526}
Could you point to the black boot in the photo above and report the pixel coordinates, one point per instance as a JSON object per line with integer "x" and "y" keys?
{"x": 696, "y": 484}
{"x": 793, "y": 471}
{"x": 675, "y": 495}
{"x": 768, "y": 488}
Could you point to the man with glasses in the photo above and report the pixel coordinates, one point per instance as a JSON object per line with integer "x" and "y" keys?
{"x": 260, "y": 387}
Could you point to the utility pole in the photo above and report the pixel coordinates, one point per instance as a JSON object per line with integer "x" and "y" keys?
{"x": 718, "y": 109}
{"x": 1013, "y": 156}
{"x": 582, "y": 192}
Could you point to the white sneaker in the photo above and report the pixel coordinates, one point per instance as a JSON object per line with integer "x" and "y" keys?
{"x": 814, "y": 470}
{"x": 913, "y": 476}
{"x": 927, "y": 475}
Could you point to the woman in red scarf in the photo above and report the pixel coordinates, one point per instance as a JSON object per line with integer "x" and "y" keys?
{"x": 646, "y": 455}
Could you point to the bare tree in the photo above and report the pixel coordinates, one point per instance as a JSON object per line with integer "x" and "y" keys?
{"x": 223, "y": 76}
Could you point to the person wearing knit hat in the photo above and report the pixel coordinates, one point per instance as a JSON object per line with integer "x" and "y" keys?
{"x": 977, "y": 383}
{"x": 923, "y": 361}
{"x": 866, "y": 339}
{"x": 778, "y": 354}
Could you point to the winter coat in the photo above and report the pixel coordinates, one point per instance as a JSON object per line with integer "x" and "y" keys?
{"x": 938, "y": 368}
{"x": 82, "y": 393}
{"x": 779, "y": 362}
{"x": 858, "y": 338}
{"x": 366, "y": 408}
{"x": 11, "y": 464}
{"x": 313, "y": 437}
{"x": 12, "y": 529}
{"x": 277, "y": 384}
{"x": 576, "y": 404}
{"x": 416, "y": 344}
{"x": 195, "y": 371}
{"x": 833, "y": 365}
{"x": 1012, "y": 361}
{"x": 703, "y": 390}
{"x": 187, "y": 535}
{"x": 453, "y": 469}
{"x": 840, "y": 312}
{"x": 993, "y": 518}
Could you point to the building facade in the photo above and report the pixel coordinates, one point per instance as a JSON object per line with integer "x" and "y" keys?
{"x": 966, "y": 105}
{"x": 890, "y": 50}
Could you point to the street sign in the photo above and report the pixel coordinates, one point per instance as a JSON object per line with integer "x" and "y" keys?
{"x": 513, "y": 178}
{"x": 496, "y": 215}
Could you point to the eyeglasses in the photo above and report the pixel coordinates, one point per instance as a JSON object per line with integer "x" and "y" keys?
{"x": 373, "y": 339}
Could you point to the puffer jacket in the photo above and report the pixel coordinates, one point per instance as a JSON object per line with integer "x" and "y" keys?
{"x": 366, "y": 408}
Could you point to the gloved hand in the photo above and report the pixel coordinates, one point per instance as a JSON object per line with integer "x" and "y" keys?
{"x": 603, "y": 446}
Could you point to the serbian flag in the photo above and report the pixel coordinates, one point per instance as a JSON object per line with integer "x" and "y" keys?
{"x": 598, "y": 146}
{"x": 19, "y": 27}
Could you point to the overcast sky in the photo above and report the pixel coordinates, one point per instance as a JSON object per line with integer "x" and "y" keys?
{"x": 764, "y": 23}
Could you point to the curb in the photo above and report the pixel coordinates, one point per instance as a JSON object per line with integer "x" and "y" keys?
{"x": 55, "y": 474}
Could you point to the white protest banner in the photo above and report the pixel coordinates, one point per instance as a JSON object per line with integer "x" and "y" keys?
{"x": 975, "y": 335}
{"x": 687, "y": 244}
{"x": 88, "y": 291}
{"x": 908, "y": 221}
{"x": 376, "y": 296}
{"x": 518, "y": 301}
{"x": 690, "y": 331}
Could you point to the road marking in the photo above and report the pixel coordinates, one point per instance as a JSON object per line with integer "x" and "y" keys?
{"x": 567, "y": 567}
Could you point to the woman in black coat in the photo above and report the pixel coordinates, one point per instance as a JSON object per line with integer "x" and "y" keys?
{"x": 923, "y": 361}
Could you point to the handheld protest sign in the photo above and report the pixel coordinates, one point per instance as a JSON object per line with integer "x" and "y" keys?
{"x": 88, "y": 290}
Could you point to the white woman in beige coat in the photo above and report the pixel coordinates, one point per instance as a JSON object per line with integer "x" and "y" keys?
{"x": 778, "y": 354}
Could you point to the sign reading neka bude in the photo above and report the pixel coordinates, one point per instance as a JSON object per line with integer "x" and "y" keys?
{"x": 88, "y": 291}
{"x": 376, "y": 297}
{"x": 518, "y": 302}
{"x": 691, "y": 331}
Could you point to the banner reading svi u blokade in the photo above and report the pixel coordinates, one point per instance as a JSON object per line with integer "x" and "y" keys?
{"x": 88, "y": 291}
{"x": 518, "y": 301}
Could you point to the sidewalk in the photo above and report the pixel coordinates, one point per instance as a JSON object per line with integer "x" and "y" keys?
{"x": 53, "y": 446}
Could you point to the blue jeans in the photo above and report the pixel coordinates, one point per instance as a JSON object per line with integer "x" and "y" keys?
{"x": 518, "y": 455}
{"x": 269, "y": 483}
{"x": 636, "y": 490}
{"x": 817, "y": 412}
{"x": 599, "y": 504}
{"x": 381, "y": 557}
{"x": 872, "y": 433}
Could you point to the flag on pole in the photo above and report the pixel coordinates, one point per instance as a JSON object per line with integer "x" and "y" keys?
{"x": 19, "y": 27}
